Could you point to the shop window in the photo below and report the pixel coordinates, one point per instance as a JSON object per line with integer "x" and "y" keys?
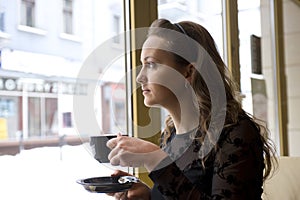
{"x": 34, "y": 116}
{"x": 9, "y": 115}
{"x": 51, "y": 117}
{"x": 42, "y": 117}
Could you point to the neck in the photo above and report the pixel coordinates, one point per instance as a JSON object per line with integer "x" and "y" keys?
{"x": 185, "y": 117}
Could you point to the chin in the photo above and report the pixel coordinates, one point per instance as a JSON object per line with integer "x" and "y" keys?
{"x": 148, "y": 104}
{"x": 151, "y": 104}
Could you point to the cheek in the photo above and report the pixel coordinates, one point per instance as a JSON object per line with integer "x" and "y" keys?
{"x": 162, "y": 93}
{"x": 170, "y": 88}
{"x": 167, "y": 80}
{"x": 161, "y": 90}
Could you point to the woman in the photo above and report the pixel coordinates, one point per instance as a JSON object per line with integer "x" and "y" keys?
{"x": 211, "y": 148}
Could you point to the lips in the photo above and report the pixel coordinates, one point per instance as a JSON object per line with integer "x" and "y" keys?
{"x": 145, "y": 90}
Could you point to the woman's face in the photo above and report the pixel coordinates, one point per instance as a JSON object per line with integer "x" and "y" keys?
{"x": 161, "y": 78}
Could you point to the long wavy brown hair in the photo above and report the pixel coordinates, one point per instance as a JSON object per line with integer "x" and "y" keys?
{"x": 233, "y": 105}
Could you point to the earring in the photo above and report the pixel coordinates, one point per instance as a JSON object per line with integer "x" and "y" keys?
{"x": 186, "y": 84}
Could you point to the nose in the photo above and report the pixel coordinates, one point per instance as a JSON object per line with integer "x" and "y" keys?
{"x": 141, "y": 77}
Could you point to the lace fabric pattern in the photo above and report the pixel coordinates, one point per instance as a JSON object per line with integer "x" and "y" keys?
{"x": 232, "y": 170}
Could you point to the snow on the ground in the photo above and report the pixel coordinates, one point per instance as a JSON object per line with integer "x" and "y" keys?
{"x": 50, "y": 173}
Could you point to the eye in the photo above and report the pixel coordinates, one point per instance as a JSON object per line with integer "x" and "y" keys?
{"x": 151, "y": 64}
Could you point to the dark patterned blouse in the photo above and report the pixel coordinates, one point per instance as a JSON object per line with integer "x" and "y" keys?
{"x": 232, "y": 170}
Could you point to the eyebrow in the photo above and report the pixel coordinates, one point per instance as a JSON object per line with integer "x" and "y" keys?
{"x": 147, "y": 57}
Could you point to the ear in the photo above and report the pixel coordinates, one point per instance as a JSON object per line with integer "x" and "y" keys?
{"x": 189, "y": 71}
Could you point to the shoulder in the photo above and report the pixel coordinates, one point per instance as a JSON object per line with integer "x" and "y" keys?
{"x": 245, "y": 128}
{"x": 244, "y": 132}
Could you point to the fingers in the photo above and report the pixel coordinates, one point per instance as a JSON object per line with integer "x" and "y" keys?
{"x": 126, "y": 151}
{"x": 120, "y": 173}
{"x": 117, "y": 145}
{"x": 127, "y": 159}
{"x": 113, "y": 156}
{"x": 119, "y": 195}
{"x": 124, "y": 196}
{"x": 123, "y": 158}
{"x": 112, "y": 142}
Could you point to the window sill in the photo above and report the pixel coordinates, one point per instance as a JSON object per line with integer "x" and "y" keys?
{"x": 70, "y": 37}
{"x": 31, "y": 30}
{"x": 4, "y": 35}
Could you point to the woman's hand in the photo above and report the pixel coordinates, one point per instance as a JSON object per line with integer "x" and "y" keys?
{"x": 138, "y": 191}
{"x": 134, "y": 152}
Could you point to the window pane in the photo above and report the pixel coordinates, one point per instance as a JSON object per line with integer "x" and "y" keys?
{"x": 2, "y": 20}
{"x": 68, "y": 4}
{"x": 27, "y": 13}
{"x": 116, "y": 28}
{"x": 9, "y": 117}
{"x": 51, "y": 117}
{"x": 68, "y": 16}
{"x": 38, "y": 100}
{"x": 255, "y": 60}
{"x": 68, "y": 22}
{"x": 291, "y": 30}
{"x": 34, "y": 116}
{"x": 206, "y": 13}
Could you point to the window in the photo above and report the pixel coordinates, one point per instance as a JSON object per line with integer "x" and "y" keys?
{"x": 42, "y": 117}
{"x": 28, "y": 13}
{"x": 116, "y": 28}
{"x": 34, "y": 116}
{"x": 206, "y": 13}
{"x": 2, "y": 24}
{"x": 68, "y": 16}
{"x": 51, "y": 118}
{"x": 67, "y": 119}
{"x": 256, "y": 85}
{"x": 45, "y": 114}
{"x": 9, "y": 116}
{"x": 271, "y": 84}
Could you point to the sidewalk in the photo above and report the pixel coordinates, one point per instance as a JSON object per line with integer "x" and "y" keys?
{"x": 49, "y": 173}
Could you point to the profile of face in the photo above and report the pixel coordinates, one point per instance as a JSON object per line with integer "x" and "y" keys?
{"x": 162, "y": 79}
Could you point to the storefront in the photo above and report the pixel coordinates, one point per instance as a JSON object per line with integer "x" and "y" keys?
{"x": 36, "y": 101}
{"x": 35, "y": 106}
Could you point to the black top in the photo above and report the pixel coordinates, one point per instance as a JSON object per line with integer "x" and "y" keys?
{"x": 233, "y": 170}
